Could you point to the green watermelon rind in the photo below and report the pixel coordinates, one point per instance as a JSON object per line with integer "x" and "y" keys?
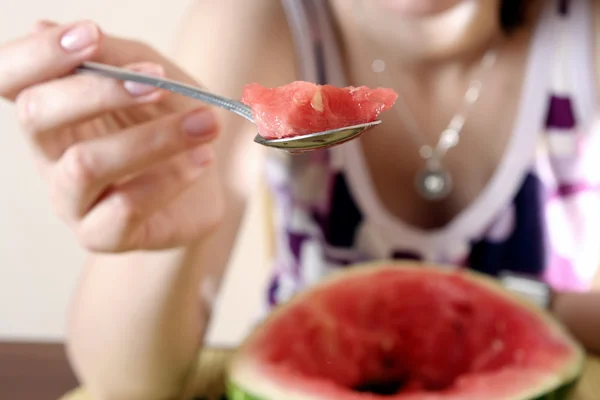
{"x": 564, "y": 381}
{"x": 564, "y": 392}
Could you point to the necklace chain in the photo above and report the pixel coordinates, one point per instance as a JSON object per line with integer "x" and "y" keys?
{"x": 434, "y": 182}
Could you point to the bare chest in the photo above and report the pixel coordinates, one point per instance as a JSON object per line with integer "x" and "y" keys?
{"x": 394, "y": 162}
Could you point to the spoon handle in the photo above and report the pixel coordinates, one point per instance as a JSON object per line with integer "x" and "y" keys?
{"x": 176, "y": 87}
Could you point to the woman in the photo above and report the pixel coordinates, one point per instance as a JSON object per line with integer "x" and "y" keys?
{"x": 155, "y": 185}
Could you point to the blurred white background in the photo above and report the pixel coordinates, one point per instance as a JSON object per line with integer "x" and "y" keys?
{"x": 39, "y": 260}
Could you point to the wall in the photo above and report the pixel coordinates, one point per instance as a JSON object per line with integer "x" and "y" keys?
{"x": 39, "y": 260}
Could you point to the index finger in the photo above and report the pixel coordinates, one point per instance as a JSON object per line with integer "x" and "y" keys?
{"x": 45, "y": 55}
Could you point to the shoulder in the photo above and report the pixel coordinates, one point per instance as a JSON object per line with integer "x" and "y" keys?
{"x": 228, "y": 43}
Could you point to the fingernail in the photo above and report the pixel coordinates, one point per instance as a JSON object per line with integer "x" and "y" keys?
{"x": 139, "y": 89}
{"x": 199, "y": 123}
{"x": 80, "y": 37}
{"x": 202, "y": 155}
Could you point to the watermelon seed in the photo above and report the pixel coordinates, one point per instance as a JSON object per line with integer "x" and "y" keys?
{"x": 317, "y": 101}
{"x": 497, "y": 345}
{"x": 386, "y": 344}
{"x": 383, "y": 388}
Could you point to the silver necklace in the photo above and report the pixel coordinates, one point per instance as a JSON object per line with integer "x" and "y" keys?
{"x": 433, "y": 182}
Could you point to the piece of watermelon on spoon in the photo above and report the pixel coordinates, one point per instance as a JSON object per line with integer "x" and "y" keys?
{"x": 301, "y": 108}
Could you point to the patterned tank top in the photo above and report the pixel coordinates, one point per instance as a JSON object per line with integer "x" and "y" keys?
{"x": 539, "y": 214}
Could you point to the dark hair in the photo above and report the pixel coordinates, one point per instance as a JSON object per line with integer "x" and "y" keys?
{"x": 513, "y": 14}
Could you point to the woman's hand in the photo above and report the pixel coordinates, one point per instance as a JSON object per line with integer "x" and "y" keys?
{"x": 122, "y": 160}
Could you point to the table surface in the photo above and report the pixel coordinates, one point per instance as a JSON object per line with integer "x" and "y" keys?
{"x": 213, "y": 362}
{"x": 34, "y": 371}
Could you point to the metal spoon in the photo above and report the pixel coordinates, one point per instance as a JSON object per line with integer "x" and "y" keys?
{"x": 296, "y": 144}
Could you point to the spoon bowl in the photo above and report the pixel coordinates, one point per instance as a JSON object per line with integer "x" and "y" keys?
{"x": 319, "y": 140}
{"x": 293, "y": 144}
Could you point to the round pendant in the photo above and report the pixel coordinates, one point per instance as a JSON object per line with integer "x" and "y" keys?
{"x": 433, "y": 184}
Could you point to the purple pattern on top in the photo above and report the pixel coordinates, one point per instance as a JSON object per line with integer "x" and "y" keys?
{"x": 406, "y": 255}
{"x": 296, "y": 240}
{"x": 560, "y": 113}
{"x": 571, "y": 189}
{"x": 272, "y": 290}
{"x": 562, "y": 276}
{"x": 563, "y": 7}
{"x": 527, "y": 236}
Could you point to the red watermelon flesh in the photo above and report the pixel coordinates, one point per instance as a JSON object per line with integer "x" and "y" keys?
{"x": 302, "y": 108}
{"x": 408, "y": 334}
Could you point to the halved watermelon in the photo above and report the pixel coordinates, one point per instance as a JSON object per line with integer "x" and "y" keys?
{"x": 301, "y": 108}
{"x": 406, "y": 332}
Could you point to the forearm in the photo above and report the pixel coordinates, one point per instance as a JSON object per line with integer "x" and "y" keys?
{"x": 580, "y": 312}
{"x": 137, "y": 320}
{"x": 136, "y": 323}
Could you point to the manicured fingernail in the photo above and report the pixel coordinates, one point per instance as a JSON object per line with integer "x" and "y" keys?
{"x": 80, "y": 37}
{"x": 139, "y": 89}
{"x": 199, "y": 123}
{"x": 202, "y": 155}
